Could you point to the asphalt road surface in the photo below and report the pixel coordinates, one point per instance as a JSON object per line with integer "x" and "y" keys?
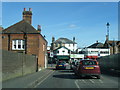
{"x": 67, "y": 79}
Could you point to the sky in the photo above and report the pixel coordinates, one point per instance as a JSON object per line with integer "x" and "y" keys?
{"x": 86, "y": 21}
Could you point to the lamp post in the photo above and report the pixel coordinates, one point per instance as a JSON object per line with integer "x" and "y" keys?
{"x": 108, "y": 35}
{"x": 108, "y": 29}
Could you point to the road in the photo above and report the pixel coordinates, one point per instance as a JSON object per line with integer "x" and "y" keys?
{"x": 67, "y": 79}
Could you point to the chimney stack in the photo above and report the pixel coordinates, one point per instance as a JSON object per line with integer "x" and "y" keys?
{"x": 97, "y": 41}
{"x": 30, "y": 9}
{"x": 27, "y": 15}
{"x": 39, "y": 28}
{"x": 73, "y": 39}
{"x": 53, "y": 39}
{"x": 24, "y": 9}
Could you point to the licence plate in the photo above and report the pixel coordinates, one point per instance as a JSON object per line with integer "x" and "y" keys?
{"x": 89, "y": 67}
{"x": 60, "y": 65}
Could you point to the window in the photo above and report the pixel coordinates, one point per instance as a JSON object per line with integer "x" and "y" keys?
{"x": 104, "y": 52}
{"x": 89, "y": 62}
{"x": 69, "y": 45}
{"x": 43, "y": 47}
{"x": 68, "y": 51}
{"x": 56, "y": 45}
{"x": 18, "y": 44}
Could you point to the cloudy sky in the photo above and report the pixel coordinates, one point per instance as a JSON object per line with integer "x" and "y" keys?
{"x": 86, "y": 21}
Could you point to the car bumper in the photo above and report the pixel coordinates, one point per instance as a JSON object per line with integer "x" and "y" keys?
{"x": 88, "y": 75}
{"x": 61, "y": 67}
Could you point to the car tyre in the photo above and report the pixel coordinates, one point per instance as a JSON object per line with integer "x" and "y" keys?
{"x": 98, "y": 77}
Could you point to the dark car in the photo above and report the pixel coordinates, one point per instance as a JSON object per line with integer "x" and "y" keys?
{"x": 88, "y": 68}
{"x": 61, "y": 65}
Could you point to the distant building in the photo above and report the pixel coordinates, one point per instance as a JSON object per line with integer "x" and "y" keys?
{"x": 113, "y": 45}
{"x": 62, "y": 53}
{"x": 62, "y": 48}
{"x": 22, "y": 37}
{"x": 95, "y": 50}
{"x": 72, "y": 45}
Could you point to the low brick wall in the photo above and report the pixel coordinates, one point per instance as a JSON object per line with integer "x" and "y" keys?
{"x": 17, "y": 64}
{"x": 110, "y": 62}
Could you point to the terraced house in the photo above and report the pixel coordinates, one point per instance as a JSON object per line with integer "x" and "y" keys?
{"x": 22, "y": 37}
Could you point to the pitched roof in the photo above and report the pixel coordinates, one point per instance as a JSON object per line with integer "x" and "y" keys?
{"x": 65, "y": 41}
{"x": 20, "y": 27}
{"x": 111, "y": 43}
{"x": 96, "y": 45}
{"x": 61, "y": 47}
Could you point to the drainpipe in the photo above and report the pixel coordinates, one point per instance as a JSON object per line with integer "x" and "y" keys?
{"x": 8, "y": 42}
{"x": 25, "y": 37}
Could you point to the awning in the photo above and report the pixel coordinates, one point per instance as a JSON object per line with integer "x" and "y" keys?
{"x": 63, "y": 57}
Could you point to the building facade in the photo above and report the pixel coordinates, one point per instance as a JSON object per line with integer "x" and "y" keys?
{"x": 62, "y": 48}
{"x": 72, "y": 45}
{"x": 95, "y": 50}
{"x": 22, "y": 37}
{"x": 113, "y": 45}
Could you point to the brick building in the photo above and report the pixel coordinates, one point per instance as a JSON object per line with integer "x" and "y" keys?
{"x": 113, "y": 45}
{"x": 22, "y": 37}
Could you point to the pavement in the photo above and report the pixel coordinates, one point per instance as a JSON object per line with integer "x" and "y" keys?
{"x": 27, "y": 81}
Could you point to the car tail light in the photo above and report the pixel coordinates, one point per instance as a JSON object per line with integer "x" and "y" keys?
{"x": 80, "y": 63}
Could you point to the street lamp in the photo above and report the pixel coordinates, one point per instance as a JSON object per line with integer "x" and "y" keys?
{"x": 108, "y": 35}
{"x": 108, "y": 29}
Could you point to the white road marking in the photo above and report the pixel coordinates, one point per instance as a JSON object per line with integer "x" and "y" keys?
{"x": 43, "y": 79}
{"x": 92, "y": 81}
{"x": 76, "y": 83}
{"x": 84, "y": 81}
{"x": 101, "y": 81}
{"x": 37, "y": 79}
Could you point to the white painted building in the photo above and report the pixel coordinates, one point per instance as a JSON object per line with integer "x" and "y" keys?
{"x": 62, "y": 51}
{"x": 72, "y": 45}
{"x": 96, "y": 52}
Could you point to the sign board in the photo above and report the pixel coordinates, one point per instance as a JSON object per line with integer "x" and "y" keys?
{"x": 51, "y": 54}
{"x": 77, "y": 55}
{"x": 63, "y": 57}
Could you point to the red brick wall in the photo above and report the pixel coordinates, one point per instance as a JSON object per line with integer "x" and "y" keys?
{"x": 4, "y": 40}
{"x": 35, "y": 44}
{"x": 43, "y": 51}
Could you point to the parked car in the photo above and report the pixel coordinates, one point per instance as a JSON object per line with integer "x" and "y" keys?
{"x": 87, "y": 68}
{"x": 61, "y": 65}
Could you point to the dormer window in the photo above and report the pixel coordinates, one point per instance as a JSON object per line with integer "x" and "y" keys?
{"x": 18, "y": 45}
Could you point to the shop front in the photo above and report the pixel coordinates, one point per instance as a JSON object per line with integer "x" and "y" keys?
{"x": 63, "y": 58}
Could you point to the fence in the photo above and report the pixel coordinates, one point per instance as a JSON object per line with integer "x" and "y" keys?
{"x": 17, "y": 64}
{"x": 110, "y": 62}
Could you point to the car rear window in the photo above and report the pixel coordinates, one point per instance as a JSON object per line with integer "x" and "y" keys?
{"x": 89, "y": 62}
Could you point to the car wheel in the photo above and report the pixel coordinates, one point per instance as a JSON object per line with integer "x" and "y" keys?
{"x": 98, "y": 77}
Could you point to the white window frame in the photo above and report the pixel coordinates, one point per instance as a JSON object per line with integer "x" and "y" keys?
{"x": 22, "y": 42}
